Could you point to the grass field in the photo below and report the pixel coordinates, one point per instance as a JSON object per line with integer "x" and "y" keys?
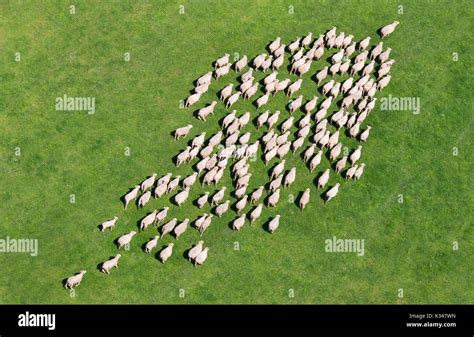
{"x": 408, "y": 245}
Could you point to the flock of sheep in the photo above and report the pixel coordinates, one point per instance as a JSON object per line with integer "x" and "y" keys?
{"x": 214, "y": 154}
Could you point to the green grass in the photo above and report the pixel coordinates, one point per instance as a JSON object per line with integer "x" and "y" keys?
{"x": 407, "y": 245}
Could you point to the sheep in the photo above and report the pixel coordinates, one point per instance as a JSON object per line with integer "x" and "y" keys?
{"x": 330, "y": 33}
{"x": 166, "y": 253}
{"x": 304, "y": 68}
{"x": 239, "y": 222}
{"x": 334, "y": 69}
{"x": 304, "y": 200}
{"x": 222, "y": 208}
{"x": 281, "y": 139}
{"x": 363, "y": 44}
{"x": 286, "y": 125}
{"x": 181, "y": 197}
{"x": 320, "y": 134}
{"x": 183, "y": 156}
{"x": 173, "y": 184}
{"x": 204, "y": 153}
{"x": 347, "y": 101}
{"x": 335, "y": 90}
{"x": 322, "y": 125}
{"x": 199, "y": 260}
{"x": 206, "y": 111}
{"x": 148, "y": 220}
{"x": 194, "y": 98}
{"x": 319, "y": 53}
{"x": 193, "y": 153}
{"x": 232, "y": 99}
{"x": 342, "y": 121}
{"x": 75, "y": 280}
{"x": 226, "y": 92}
{"x": 274, "y": 223}
{"x": 308, "y": 153}
{"x": 256, "y": 212}
{"x": 251, "y": 91}
{"x": 315, "y": 161}
{"x": 281, "y": 85}
{"x": 160, "y": 190}
{"x": 333, "y": 139}
{"x": 280, "y": 51}
{"x": 112, "y": 263}
{"x": 218, "y": 176}
{"x": 388, "y": 29}
{"x": 296, "y": 104}
{"x": 245, "y": 86}
{"x": 211, "y": 163}
{"x": 194, "y": 252}
{"x": 273, "y": 119}
{"x": 150, "y": 245}
{"x": 321, "y": 76}
{"x": 307, "y": 39}
{"x": 332, "y": 192}
{"x": 168, "y": 227}
{"x": 297, "y": 143}
{"x": 365, "y": 134}
{"x": 296, "y": 64}
{"x": 232, "y": 139}
{"x": 327, "y": 87}
{"x": 376, "y": 51}
{"x": 204, "y": 79}
{"x": 273, "y": 198}
{"x": 131, "y": 195}
{"x": 356, "y": 154}
{"x": 244, "y": 119}
{"x": 290, "y": 177}
{"x": 356, "y": 67}
{"x": 351, "y": 171}
{"x": 161, "y": 215}
{"x": 321, "y": 114}
{"x": 202, "y": 89}
{"x": 341, "y": 164}
{"x": 181, "y": 228}
{"x": 242, "y": 171}
{"x": 182, "y": 132}
{"x": 294, "y": 87}
{"x": 125, "y": 239}
{"x": 274, "y": 45}
{"x": 243, "y": 180}
{"x": 199, "y": 221}
{"x": 278, "y": 62}
{"x": 319, "y": 41}
{"x": 257, "y": 62}
{"x": 220, "y": 72}
{"x": 337, "y": 57}
{"x": 383, "y": 82}
{"x": 143, "y": 200}
{"x": 283, "y": 149}
{"x": 330, "y": 43}
{"x": 326, "y": 103}
{"x": 358, "y": 172}
{"x": 350, "y": 50}
{"x": 275, "y": 183}
{"x": 354, "y": 130}
{"x": 240, "y": 64}
{"x": 339, "y": 40}
{"x": 205, "y": 224}
{"x": 218, "y": 196}
{"x": 266, "y": 64}
{"x": 262, "y": 100}
{"x": 222, "y": 61}
{"x": 202, "y": 200}
{"x": 324, "y": 139}
{"x": 241, "y": 204}
{"x": 147, "y": 183}
{"x": 323, "y": 179}
{"x": 384, "y": 56}
{"x": 109, "y": 224}
{"x": 294, "y": 45}
{"x": 335, "y": 152}
{"x": 368, "y": 68}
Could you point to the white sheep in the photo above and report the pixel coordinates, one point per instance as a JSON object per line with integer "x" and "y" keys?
{"x": 356, "y": 154}
{"x": 358, "y": 172}
{"x": 315, "y": 161}
{"x": 143, "y": 200}
{"x": 321, "y": 75}
{"x": 222, "y": 208}
{"x": 206, "y": 223}
{"x": 273, "y": 198}
{"x": 220, "y": 72}
{"x": 296, "y": 104}
{"x": 239, "y": 222}
{"x": 365, "y": 134}
{"x": 194, "y": 252}
{"x": 165, "y": 254}
{"x": 125, "y": 239}
{"x": 290, "y": 177}
{"x": 388, "y": 29}
{"x": 181, "y": 228}
{"x": 131, "y": 195}
{"x": 150, "y": 245}
{"x": 75, "y": 280}
{"x": 160, "y": 190}
{"x": 109, "y": 224}
{"x": 256, "y": 212}
{"x": 222, "y": 61}
{"x": 182, "y": 132}
{"x": 274, "y": 223}
{"x": 206, "y": 78}
{"x": 232, "y": 99}
{"x": 112, "y": 263}
{"x": 335, "y": 152}
{"x": 323, "y": 179}
{"x": 294, "y": 87}
{"x": 304, "y": 200}
{"x": 332, "y": 192}
{"x": 351, "y": 171}
{"x": 147, "y": 183}
{"x": 273, "y": 119}
{"x": 148, "y": 220}
{"x": 199, "y": 260}
{"x": 240, "y": 64}
{"x": 256, "y": 195}
{"x": 257, "y": 61}
{"x": 262, "y": 100}
{"x": 241, "y": 204}
{"x": 193, "y": 99}
{"x": 275, "y": 183}
{"x": 216, "y": 198}
{"x": 161, "y": 215}
{"x": 363, "y": 44}
{"x": 203, "y": 113}
{"x": 341, "y": 164}
{"x": 376, "y": 51}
